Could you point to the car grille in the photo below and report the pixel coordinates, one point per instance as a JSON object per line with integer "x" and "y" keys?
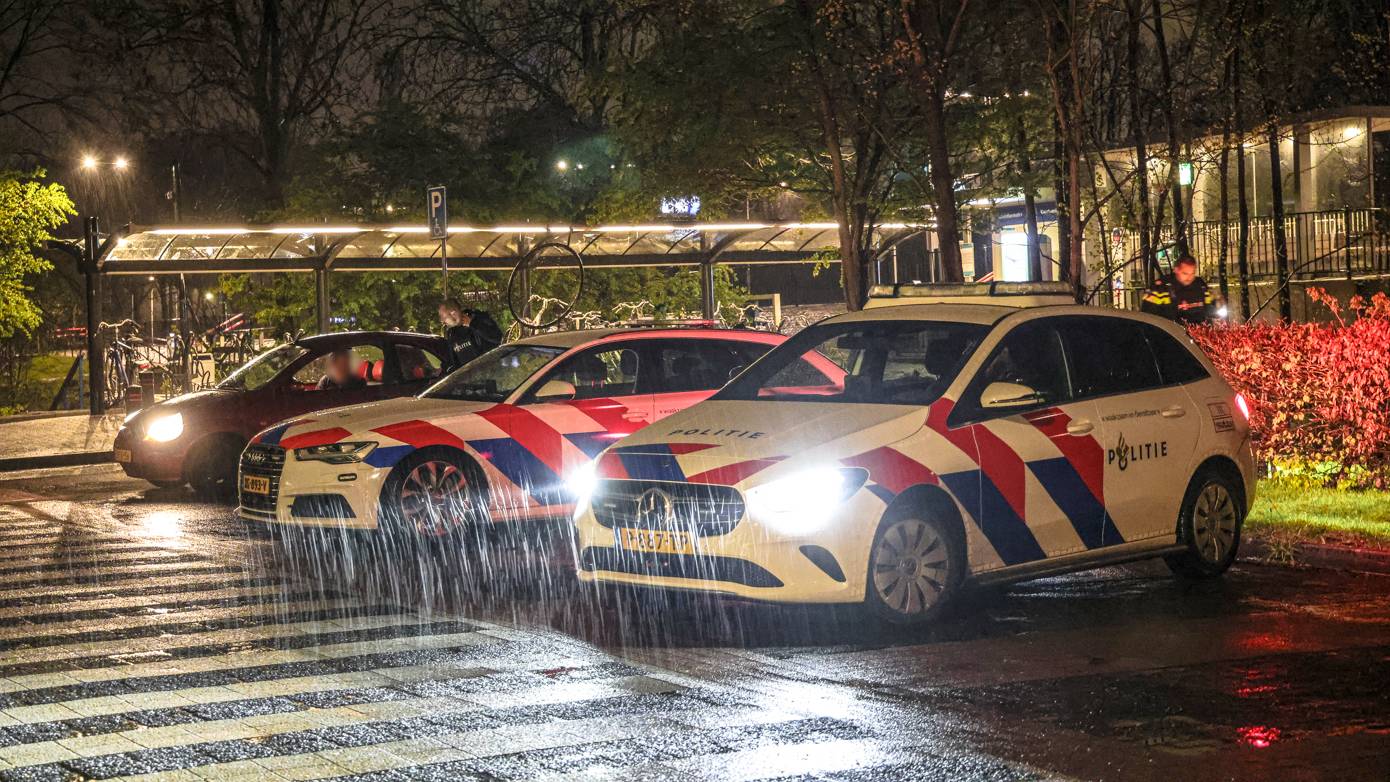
{"x": 702, "y": 568}
{"x": 705, "y": 509}
{"x": 266, "y": 461}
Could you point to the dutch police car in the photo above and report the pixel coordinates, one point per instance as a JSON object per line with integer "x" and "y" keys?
{"x": 966, "y": 434}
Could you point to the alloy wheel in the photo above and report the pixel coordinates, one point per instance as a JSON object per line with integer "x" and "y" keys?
{"x": 911, "y": 567}
{"x": 435, "y": 498}
{"x": 1214, "y": 521}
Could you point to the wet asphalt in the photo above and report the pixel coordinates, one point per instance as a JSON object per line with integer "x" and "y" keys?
{"x": 145, "y": 634}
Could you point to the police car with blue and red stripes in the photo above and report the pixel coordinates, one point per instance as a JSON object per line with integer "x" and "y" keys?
{"x": 494, "y": 441}
{"x": 972, "y": 434}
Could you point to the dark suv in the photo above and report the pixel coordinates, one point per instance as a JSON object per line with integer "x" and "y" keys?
{"x": 197, "y": 438}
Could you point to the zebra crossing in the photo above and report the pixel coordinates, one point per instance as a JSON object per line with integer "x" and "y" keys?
{"x": 128, "y": 655}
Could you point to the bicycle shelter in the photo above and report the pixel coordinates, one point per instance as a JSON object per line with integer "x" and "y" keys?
{"x": 322, "y": 249}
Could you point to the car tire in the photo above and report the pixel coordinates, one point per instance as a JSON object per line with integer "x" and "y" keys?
{"x": 211, "y": 467}
{"x": 1209, "y": 525}
{"x": 916, "y": 567}
{"x": 433, "y": 494}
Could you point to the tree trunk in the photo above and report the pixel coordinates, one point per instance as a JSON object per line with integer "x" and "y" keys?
{"x": 1242, "y": 198}
{"x": 943, "y": 184}
{"x": 1224, "y": 182}
{"x": 1281, "y": 244}
{"x": 1165, "y": 70}
{"x": 1059, "y": 188}
{"x": 1030, "y": 204}
{"x": 1141, "y": 155}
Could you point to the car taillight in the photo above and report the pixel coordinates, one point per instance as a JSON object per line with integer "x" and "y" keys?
{"x": 1244, "y": 406}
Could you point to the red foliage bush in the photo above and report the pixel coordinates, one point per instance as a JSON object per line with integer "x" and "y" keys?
{"x": 1319, "y": 393}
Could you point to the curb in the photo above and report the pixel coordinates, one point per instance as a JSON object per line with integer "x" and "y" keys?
{"x": 1319, "y": 555}
{"x": 55, "y": 460}
{"x": 40, "y": 414}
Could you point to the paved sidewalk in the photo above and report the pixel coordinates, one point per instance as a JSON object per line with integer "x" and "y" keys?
{"x": 45, "y": 442}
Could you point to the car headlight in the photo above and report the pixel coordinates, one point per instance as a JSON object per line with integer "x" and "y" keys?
{"x": 165, "y": 428}
{"x": 581, "y": 484}
{"x": 335, "y": 453}
{"x": 803, "y": 502}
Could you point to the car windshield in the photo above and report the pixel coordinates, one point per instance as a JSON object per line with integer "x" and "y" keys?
{"x": 884, "y": 362}
{"x": 263, "y": 368}
{"x": 493, "y": 376}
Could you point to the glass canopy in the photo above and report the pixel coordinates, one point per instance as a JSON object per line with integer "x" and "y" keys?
{"x": 365, "y": 248}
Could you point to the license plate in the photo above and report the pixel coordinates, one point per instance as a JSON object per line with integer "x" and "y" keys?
{"x": 124, "y": 456}
{"x": 655, "y": 541}
{"x": 255, "y": 484}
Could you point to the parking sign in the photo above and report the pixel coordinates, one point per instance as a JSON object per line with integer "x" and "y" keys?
{"x": 439, "y": 212}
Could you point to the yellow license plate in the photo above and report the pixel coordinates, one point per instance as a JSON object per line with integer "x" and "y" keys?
{"x": 255, "y": 484}
{"x": 655, "y": 541}
{"x": 124, "y": 456}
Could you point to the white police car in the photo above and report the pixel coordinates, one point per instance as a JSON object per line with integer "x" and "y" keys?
{"x": 990, "y": 440}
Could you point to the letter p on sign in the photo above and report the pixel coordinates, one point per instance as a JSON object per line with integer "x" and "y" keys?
{"x": 438, "y": 213}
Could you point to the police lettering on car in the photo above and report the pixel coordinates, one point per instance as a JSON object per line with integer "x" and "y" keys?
{"x": 944, "y": 435}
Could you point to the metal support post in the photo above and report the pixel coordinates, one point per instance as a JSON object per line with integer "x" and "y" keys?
{"x": 322, "y": 304}
{"x": 91, "y": 247}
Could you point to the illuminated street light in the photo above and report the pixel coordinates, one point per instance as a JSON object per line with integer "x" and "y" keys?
{"x": 562, "y": 165}
{"x": 89, "y": 162}
{"x": 121, "y": 163}
{"x": 209, "y": 296}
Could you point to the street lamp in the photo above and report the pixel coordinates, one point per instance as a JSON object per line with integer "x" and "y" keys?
{"x": 91, "y": 162}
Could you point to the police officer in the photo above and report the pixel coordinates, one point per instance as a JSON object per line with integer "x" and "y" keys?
{"x": 1180, "y": 295}
{"x": 470, "y": 333}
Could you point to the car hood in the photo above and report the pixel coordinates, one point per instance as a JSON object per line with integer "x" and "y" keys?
{"x": 183, "y": 403}
{"x": 363, "y": 420}
{"x": 720, "y": 432}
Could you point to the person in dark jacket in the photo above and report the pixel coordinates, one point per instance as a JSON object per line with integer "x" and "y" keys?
{"x": 470, "y": 333}
{"x": 1180, "y": 295}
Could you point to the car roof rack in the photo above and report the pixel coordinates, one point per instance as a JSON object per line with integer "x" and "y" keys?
{"x": 1005, "y": 294}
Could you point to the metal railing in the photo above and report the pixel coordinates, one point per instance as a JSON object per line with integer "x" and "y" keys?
{"x": 1334, "y": 244}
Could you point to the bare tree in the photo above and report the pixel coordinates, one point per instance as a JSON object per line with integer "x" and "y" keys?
{"x": 933, "y": 31}
{"x": 260, "y": 75}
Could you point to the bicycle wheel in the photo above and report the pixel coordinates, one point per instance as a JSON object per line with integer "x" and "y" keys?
{"x": 115, "y": 381}
{"x": 552, "y": 272}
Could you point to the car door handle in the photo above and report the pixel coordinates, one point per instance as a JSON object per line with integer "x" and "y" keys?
{"x": 1080, "y": 427}
{"x": 1176, "y": 411}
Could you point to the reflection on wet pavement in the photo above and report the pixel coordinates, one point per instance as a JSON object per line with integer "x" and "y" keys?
{"x": 145, "y": 633}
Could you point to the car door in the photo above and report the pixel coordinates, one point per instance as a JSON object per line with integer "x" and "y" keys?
{"x": 585, "y": 403}
{"x": 412, "y": 368}
{"x": 683, "y": 372}
{"x": 1040, "y": 462}
{"x": 1149, "y": 428}
{"x": 298, "y": 393}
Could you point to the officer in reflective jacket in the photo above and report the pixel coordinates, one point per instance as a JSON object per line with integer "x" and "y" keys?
{"x": 1180, "y": 295}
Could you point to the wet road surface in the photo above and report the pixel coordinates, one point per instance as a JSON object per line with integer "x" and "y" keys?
{"x": 147, "y": 635}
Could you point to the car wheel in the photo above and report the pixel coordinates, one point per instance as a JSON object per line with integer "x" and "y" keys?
{"x": 1209, "y": 526}
{"x": 916, "y": 565}
{"x": 211, "y": 467}
{"x": 431, "y": 495}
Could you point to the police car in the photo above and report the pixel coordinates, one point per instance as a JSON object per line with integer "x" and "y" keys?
{"x": 972, "y": 434}
{"x": 492, "y": 442}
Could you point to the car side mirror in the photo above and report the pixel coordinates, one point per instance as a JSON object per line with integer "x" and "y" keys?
{"x": 1000, "y": 395}
{"x": 555, "y": 390}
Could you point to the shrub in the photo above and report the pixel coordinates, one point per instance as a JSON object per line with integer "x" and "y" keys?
{"x": 1319, "y": 393}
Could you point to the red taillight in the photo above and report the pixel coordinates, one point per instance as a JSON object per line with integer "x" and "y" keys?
{"x": 1244, "y": 406}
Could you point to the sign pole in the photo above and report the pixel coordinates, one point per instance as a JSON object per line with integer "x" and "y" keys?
{"x": 438, "y": 208}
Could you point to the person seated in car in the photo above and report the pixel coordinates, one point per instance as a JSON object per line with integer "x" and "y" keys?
{"x": 340, "y": 375}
